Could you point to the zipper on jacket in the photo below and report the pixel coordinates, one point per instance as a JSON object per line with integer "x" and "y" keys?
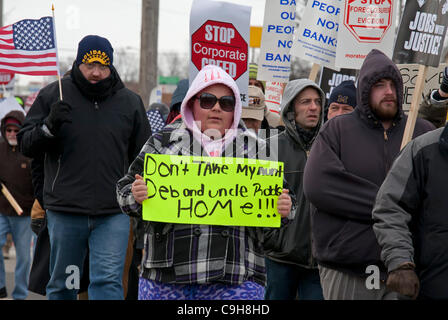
{"x": 95, "y": 205}
{"x": 57, "y": 173}
{"x": 386, "y": 138}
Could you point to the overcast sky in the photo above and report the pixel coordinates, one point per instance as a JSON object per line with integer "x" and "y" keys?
{"x": 117, "y": 20}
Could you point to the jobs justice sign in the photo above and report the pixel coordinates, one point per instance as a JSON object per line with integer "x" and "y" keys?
{"x": 422, "y": 31}
{"x": 219, "y": 43}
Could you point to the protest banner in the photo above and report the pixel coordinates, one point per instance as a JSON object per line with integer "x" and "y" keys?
{"x": 409, "y": 73}
{"x": 317, "y": 34}
{"x": 212, "y": 190}
{"x": 365, "y": 25}
{"x": 274, "y": 63}
{"x": 420, "y": 40}
{"x": 329, "y": 79}
{"x": 7, "y": 81}
{"x": 220, "y": 33}
{"x": 421, "y": 34}
{"x": 273, "y": 96}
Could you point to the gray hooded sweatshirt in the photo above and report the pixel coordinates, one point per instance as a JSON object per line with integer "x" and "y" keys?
{"x": 295, "y": 238}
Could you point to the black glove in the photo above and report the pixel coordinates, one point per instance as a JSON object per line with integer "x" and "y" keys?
{"x": 59, "y": 113}
{"x": 444, "y": 84}
{"x": 404, "y": 281}
{"x": 36, "y": 225}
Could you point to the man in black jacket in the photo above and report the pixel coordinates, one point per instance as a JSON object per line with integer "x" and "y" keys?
{"x": 348, "y": 162}
{"x": 89, "y": 140}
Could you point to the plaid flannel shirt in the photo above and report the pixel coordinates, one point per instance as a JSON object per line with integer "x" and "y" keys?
{"x": 189, "y": 254}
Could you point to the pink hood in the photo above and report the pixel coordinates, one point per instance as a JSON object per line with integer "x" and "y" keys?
{"x": 210, "y": 75}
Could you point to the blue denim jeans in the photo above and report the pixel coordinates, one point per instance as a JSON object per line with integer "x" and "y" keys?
{"x": 20, "y": 229}
{"x": 288, "y": 282}
{"x": 106, "y": 236}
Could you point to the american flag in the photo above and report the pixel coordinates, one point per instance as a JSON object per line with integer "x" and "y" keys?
{"x": 29, "y": 47}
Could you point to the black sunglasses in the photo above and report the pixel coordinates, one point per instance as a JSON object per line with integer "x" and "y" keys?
{"x": 208, "y": 100}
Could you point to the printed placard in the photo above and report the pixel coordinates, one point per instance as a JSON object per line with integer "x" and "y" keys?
{"x": 330, "y": 79}
{"x": 212, "y": 190}
{"x": 422, "y": 32}
{"x": 273, "y": 96}
{"x": 365, "y": 25}
{"x": 220, "y": 35}
{"x": 276, "y": 41}
{"x": 316, "y": 39}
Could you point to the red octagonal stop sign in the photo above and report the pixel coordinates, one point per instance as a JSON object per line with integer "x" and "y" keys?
{"x": 219, "y": 43}
{"x": 368, "y": 20}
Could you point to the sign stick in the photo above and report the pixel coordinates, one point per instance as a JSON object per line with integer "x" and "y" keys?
{"x": 415, "y": 104}
{"x": 11, "y": 200}
{"x": 313, "y": 73}
{"x": 54, "y": 30}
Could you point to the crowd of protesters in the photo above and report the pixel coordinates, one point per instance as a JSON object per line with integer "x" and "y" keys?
{"x": 350, "y": 199}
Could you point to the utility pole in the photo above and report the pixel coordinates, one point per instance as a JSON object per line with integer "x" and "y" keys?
{"x": 148, "y": 49}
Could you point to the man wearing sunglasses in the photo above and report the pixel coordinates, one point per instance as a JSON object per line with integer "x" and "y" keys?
{"x": 291, "y": 271}
{"x": 15, "y": 174}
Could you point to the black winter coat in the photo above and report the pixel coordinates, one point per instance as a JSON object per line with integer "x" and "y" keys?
{"x": 349, "y": 160}
{"x": 90, "y": 154}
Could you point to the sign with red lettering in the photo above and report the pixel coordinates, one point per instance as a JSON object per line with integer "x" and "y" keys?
{"x": 219, "y": 43}
{"x": 366, "y": 22}
{"x": 6, "y": 78}
{"x": 365, "y": 25}
{"x": 220, "y": 36}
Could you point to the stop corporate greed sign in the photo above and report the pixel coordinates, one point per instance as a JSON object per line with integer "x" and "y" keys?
{"x": 214, "y": 191}
{"x": 219, "y": 43}
{"x": 220, "y": 36}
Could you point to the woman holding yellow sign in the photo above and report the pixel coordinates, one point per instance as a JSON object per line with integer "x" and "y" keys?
{"x": 200, "y": 261}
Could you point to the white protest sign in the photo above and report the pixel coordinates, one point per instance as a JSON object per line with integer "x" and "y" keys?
{"x": 7, "y": 80}
{"x": 273, "y": 96}
{"x": 220, "y": 34}
{"x": 409, "y": 72}
{"x": 317, "y": 33}
{"x": 365, "y": 25}
{"x": 276, "y": 41}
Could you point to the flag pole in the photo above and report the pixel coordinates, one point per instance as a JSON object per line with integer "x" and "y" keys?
{"x": 57, "y": 56}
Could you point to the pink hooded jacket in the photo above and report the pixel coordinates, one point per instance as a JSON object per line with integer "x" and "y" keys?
{"x": 208, "y": 76}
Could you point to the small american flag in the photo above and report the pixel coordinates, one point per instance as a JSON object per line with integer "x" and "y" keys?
{"x": 29, "y": 47}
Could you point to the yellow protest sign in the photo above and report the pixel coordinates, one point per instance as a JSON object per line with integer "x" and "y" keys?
{"x": 215, "y": 191}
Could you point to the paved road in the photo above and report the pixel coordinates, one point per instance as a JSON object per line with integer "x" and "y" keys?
{"x": 9, "y": 268}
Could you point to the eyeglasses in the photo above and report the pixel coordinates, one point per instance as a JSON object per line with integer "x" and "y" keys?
{"x": 208, "y": 100}
{"x": 12, "y": 130}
